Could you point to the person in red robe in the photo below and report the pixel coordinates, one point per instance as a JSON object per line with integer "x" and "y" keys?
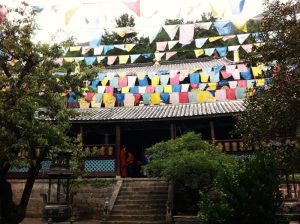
{"x": 123, "y": 167}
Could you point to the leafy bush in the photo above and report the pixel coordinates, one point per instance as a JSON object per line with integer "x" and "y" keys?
{"x": 247, "y": 194}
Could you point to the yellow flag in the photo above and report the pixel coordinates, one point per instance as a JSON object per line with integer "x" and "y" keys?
{"x": 120, "y": 31}
{"x": 260, "y": 82}
{"x": 212, "y": 39}
{"x": 83, "y": 103}
{"x": 236, "y": 56}
{"x": 212, "y": 86}
{"x": 69, "y": 14}
{"x": 123, "y": 59}
{"x": 141, "y": 74}
{"x": 104, "y": 81}
{"x": 240, "y": 24}
{"x": 75, "y": 48}
{"x": 199, "y": 52}
{"x": 256, "y": 71}
{"x": 259, "y": 44}
{"x": 168, "y": 88}
{"x": 128, "y": 47}
{"x": 69, "y": 59}
{"x": 204, "y": 78}
{"x": 205, "y": 96}
{"x": 109, "y": 100}
{"x": 155, "y": 98}
{"x": 125, "y": 89}
{"x": 217, "y": 8}
{"x": 155, "y": 80}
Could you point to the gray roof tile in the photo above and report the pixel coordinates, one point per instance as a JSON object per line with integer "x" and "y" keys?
{"x": 159, "y": 112}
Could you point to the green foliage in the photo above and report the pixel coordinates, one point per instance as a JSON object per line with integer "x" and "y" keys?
{"x": 273, "y": 113}
{"x": 29, "y": 82}
{"x": 246, "y": 194}
{"x": 187, "y": 161}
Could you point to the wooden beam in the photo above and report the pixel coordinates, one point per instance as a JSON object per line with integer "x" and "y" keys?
{"x": 117, "y": 149}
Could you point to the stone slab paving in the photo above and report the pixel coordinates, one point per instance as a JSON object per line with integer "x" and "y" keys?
{"x": 42, "y": 221}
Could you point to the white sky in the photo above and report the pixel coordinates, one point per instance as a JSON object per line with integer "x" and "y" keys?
{"x": 102, "y": 13}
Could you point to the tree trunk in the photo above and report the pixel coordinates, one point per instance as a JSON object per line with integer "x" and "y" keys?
{"x": 10, "y": 212}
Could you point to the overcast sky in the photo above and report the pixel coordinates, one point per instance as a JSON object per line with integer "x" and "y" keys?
{"x": 89, "y": 17}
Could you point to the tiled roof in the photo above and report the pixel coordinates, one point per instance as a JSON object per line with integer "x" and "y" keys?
{"x": 159, "y": 112}
{"x": 179, "y": 65}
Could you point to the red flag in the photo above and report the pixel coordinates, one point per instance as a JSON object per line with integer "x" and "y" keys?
{"x": 133, "y": 6}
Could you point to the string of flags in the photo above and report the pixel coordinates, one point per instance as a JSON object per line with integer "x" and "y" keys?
{"x": 131, "y": 58}
{"x": 217, "y": 83}
{"x": 100, "y": 51}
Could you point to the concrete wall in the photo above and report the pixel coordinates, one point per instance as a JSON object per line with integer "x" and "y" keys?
{"x": 88, "y": 202}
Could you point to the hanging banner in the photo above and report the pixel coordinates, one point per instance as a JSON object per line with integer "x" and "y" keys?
{"x": 170, "y": 54}
{"x": 223, "y": 27}
{"x": 186, "y": 34}
{"x": 161, "y": 46}
{"x": 133, "y": 5}
{"x": 171, "y": 30}
{"x": 242, "y": 37}
{"x": 199, "y": 52}
{"x": 123, "y": 59}
{"x": 240, "y": 24}
{"x": 128, "y": 47}
{"x": 171, "y": 44}
{"x": 209, "y": 51}
{"x": 200, "y": 42}
{"x": 133, "y": 57}
{"x": 236, "y": 6}
{"x": 111, "y": 59}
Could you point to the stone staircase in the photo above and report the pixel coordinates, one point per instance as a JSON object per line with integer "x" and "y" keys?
{"x": 140, "y": 201}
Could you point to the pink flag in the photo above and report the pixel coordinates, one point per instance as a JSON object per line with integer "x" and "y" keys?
{"x": 225, "y": 74}
{"x": 58, "y": 61}
{"x": 247, "y": 47}
{"x": 242, "y": 83}
{"x": 186, "y": 34}
{"x": 85, "y": 49}
{"x": 133, "y": 6}
{"x": 228, "y": 37}
{"x": 161, "y": 46}
{"x": 123, "y": 81}
{"x": 170, "y": 54}
{"x": 111, "y": 59}
{"x": 242, "y": 68}
{"x": 183, "y": 74}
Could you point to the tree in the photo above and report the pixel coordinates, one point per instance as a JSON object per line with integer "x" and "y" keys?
{"x": 272, "y": 115}
{"x": 247, "y": 194}
{"x": 189, "y": 163}
{"x": 28, "y": 83}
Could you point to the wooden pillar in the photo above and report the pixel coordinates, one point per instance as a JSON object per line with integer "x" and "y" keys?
{"x": 212, "y": 130}
{"x": 81, "y": 134}
{"x": 117, "y": 149}
{"x": 106, "y": 141}
{"x": 173, "y": 130}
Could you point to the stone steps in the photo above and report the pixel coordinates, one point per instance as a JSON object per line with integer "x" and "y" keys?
{"x": 145, "y": 211}
{"x": 129, "y": 217}
{"x": 140, "y": 201}
{"x": 132, "y": 222}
